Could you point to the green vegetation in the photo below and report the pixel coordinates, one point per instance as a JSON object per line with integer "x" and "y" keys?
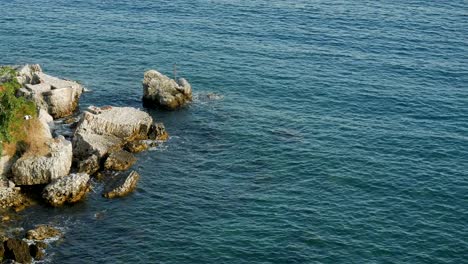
{"x": 12, "y": 108}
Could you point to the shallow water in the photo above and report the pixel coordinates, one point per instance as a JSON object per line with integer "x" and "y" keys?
{"x": 340, "y": 136}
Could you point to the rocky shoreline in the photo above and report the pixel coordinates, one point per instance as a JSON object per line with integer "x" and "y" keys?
{"x": 100, "y": 144}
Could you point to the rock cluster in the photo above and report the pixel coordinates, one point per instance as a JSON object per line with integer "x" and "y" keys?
{"x": 164, "y": 92}
{"x": 101, "y": 138}
{"x": 25, "y": 251}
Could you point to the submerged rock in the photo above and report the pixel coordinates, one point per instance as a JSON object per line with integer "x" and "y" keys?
{"x": 121, "y": 184}
{"x": 42, "y": 232}
{"x": 31, "y": 169}
{"x": 161, "y": 91}
{"x": 69, "y": 189}
{"x": 120, "y": 160}
{"x": 17, "y": 250}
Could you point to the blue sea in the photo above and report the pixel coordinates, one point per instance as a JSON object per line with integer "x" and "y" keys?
{"x": 339, "y": 133}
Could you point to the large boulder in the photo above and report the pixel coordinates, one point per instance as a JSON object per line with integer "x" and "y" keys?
{"x": 162, "y": 91}
{"x": 31, "y": 169}
{"x": 69, "y": 189}
{"x": 121, "y": 184}
{"x": 106, "y": 129}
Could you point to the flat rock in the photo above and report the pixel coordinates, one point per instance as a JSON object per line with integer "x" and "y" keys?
{"x": 31, "y": 170}
{"x": 162, "y": 91}
{"x": 69, "y": 189}
{"x": 120, "y": 160}
{"x": 121, "y": 184}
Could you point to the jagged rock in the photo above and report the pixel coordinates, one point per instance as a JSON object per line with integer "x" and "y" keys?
{"x": 157, "y": 131}
{"x": 121, "y": 184}
{"x": 36, "y": 252}
{"x": 161, "y": 91}
{"x": 31, "y": 170}
{"x": 17, "y": 250}
{"x": 2, "y": 250}
{"x": 42, "y": 232}
{"x": 120, "y": 160}
{"x": 136, "y": 146}
{"x": 89, "y": 165}
{"x": 69, "y": 189}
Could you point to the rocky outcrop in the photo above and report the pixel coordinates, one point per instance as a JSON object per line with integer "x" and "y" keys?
{"x": 106, "y": 129}
{"x": 42, "y": 232}
{"x": 121, "y": 184}
{"x": 69, "y": 189}
{"x": 119, "y": 161}
{"x": 31, "y": 169}
{"x": 57, "y": 96}
{"x": 36, "y": 252}
{"x": 161, "y": 91}
{"x": 17, "y": 250}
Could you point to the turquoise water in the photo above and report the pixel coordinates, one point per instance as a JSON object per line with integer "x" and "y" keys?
{"x": 341, "y": 137}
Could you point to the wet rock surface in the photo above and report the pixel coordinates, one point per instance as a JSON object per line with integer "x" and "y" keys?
{"x": 42, "y": 232}
{"x": 121, "y": 184}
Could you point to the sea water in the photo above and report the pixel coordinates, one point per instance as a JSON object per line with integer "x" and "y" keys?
{"x": 338, "y": 132}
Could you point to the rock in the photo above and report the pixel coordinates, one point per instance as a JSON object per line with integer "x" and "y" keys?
{"x": 161, "y": 91}
{"x": 31, "y": 169}
{"x": 106, "y": 129}
{"x": 42, "y": 232}
{"x": 46, "y": 121}
{"x": 41, "y": 244}
{"x": 17, "y": 250}
{"x": 120, "y": 160}
{"x": 69, "y": 189}
{"x": 2, "y": 251}
{"x": 157, "y": 131}
{"x": 59, "y": 97}
{"x": 11, "y": 197}
{"x": 89, "y": 165}
{"x": 88, "y": 144}
{"x": 127, "y": 123}
{"x": 36, "y": 252}
{"x": 26, "y": 73}
{"x": 5, "y": 165}
{"x": 136, "y": 146}
{"x": 121, "y": 184}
